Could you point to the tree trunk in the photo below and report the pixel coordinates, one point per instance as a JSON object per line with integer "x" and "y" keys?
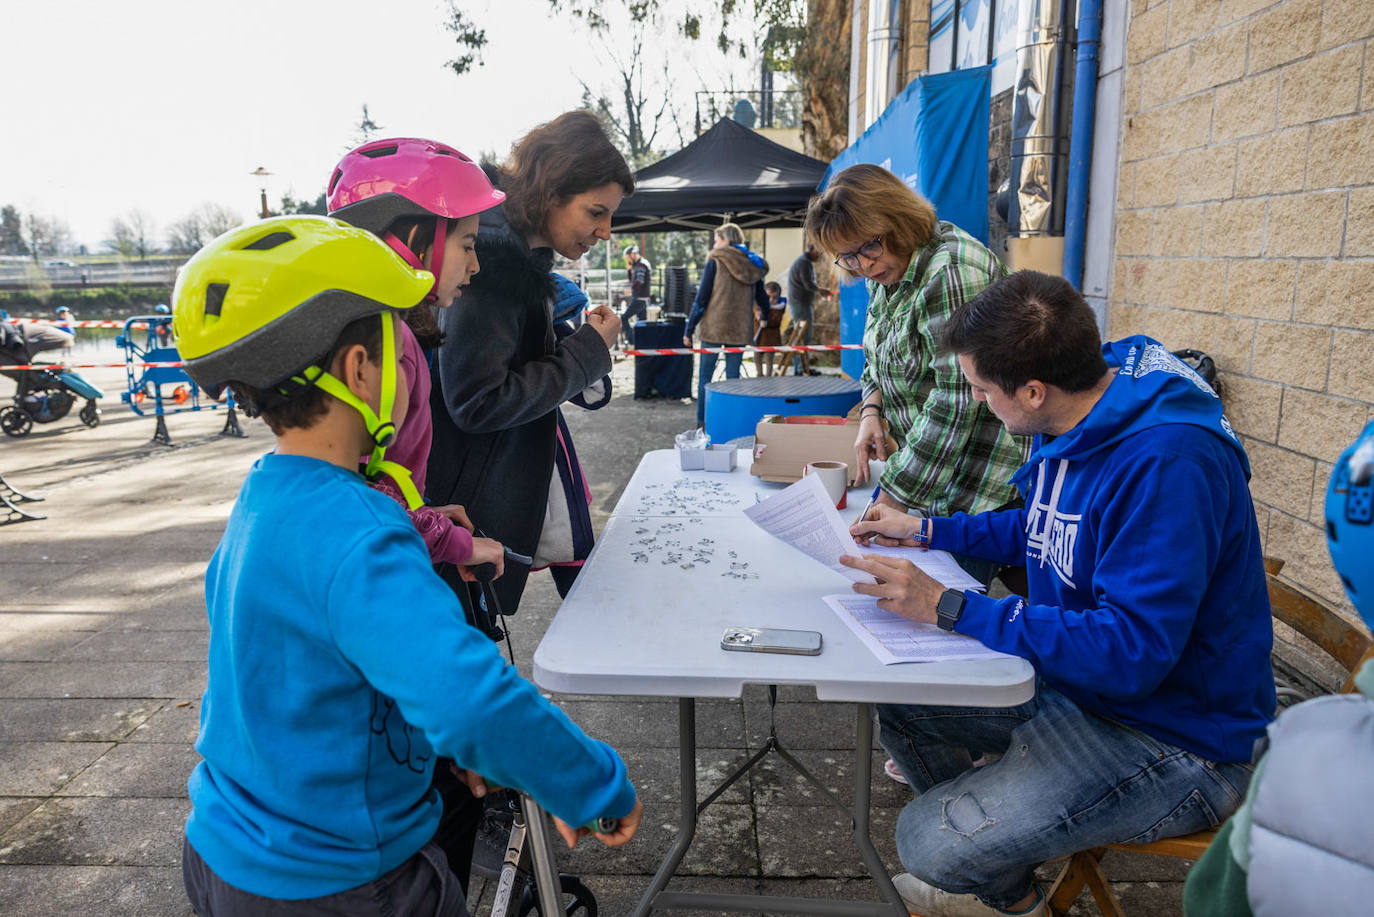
{"x": 823, "y": 65}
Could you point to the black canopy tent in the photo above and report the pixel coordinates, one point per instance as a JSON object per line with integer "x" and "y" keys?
{"x": 728, "y": 172}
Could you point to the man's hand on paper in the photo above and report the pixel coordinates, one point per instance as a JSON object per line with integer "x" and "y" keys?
{"x": 902, "y": 588}
{"x": 886, "y": 525}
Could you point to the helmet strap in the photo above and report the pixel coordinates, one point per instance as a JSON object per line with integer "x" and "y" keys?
{"x": 379, "y": 424}
{"x": 436, "y": 253}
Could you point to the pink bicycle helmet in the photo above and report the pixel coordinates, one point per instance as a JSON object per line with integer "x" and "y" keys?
{"x": 384, "y": 180}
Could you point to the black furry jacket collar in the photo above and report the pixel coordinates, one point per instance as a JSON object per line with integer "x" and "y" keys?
{"x": 510, "y": 269}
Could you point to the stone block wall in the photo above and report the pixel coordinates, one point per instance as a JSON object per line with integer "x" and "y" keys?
{"x": 1245, "y": 228}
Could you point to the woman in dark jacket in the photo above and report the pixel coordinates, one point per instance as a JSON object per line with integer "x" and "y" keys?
{"x": 501, "y": 374}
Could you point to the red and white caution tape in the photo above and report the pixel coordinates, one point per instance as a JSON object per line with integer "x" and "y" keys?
{"x": 102, "y": 323}
{"x": 61, "y": 366}
{"x": 676, "y": 351}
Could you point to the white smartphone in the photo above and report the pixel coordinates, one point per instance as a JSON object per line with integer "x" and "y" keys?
{"x": 771, "y": 640}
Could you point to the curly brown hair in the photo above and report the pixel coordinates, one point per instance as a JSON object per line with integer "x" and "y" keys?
{"x": 555, "y": 161}
{"x": 866, "y": 202}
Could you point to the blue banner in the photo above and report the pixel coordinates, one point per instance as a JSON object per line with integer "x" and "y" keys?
{"x": 934, "y": 136}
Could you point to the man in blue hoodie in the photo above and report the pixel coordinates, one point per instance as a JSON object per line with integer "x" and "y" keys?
{"x": 1147, "y": 618}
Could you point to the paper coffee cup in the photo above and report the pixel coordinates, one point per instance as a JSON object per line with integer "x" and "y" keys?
{"x": 834, "y": 476}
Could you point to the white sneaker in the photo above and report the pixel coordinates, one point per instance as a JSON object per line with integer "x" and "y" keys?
{"x": 924, "y": 900}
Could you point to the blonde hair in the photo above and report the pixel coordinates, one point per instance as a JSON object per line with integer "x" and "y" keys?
{"x": 868, "y": 202}
{"x": 731, "y": 233}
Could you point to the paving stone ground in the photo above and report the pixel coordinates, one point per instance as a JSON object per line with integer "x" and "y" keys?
{"x": 102, "y": 643}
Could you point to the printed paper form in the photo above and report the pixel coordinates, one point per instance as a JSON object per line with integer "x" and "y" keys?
{"x": 802, "y": 515}
{"x": 938, "y": 565}
{"x": 894, "y": 639}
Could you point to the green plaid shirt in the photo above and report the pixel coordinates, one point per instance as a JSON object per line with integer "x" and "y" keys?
{"x": 953, "y": 454}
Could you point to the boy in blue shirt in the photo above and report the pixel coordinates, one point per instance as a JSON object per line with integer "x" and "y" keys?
{"x": 331, "y": 639}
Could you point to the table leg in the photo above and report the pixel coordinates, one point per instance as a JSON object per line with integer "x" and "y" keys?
{"x": 863, "y": 785}
{"x": 687, "y": 802}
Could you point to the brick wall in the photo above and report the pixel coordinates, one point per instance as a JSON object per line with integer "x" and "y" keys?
{"x": 1245, "y": 228}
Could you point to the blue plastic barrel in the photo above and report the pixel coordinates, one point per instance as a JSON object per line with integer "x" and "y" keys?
{"x": 735, "y": 406}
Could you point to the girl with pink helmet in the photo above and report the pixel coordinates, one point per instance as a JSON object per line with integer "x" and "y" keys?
{"x": 423, "y": 198}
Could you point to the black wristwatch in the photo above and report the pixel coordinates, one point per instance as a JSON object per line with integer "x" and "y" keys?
{"x": 949, "y": 608}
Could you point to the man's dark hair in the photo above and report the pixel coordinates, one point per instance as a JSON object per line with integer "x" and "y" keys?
{"x": 301, "y": 406}
{"x": 1028, "y": 326}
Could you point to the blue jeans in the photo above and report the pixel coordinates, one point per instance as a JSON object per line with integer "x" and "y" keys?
{"x": 706, "y": 369}
{"x": 1067, "y": 781}
{"x": 800, "y": 313}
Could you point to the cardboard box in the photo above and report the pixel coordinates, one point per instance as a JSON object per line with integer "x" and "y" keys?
{"x": 783, "y": 445}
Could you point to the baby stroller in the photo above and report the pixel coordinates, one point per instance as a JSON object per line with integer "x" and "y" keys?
{"x": 41, "y": 395}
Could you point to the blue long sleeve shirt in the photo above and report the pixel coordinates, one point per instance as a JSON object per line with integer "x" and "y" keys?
{"x": 340, "y": 666}
{"x": 1148, "y": 603}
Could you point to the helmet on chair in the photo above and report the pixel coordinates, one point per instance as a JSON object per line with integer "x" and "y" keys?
{"x": 1350, "y": 521}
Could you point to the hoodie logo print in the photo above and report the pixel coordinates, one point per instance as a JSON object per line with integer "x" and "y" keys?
{"x": 1157, "y": 358}
{"x": 1051, "y": 536}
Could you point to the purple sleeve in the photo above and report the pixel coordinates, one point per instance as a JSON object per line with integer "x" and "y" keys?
{"x": 447, "y": 542}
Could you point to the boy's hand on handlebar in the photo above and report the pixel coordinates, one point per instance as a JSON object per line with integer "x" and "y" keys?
{"x": 625, "y": 830}
{"x": 484, "y": 551}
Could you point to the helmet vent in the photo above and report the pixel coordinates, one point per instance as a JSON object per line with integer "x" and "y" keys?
{"x": 379, "y": 152}
{"x": 214, "y": 297}
{"x": 269, "y": 241}
{"x": 334, "y": 180}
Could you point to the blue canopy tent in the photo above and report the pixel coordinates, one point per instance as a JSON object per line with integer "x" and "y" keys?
{"x": 934, "y": 136}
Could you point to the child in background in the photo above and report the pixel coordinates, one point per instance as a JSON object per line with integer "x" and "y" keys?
{"x": 340, "y": 664}
{"x": 423, "y": 199}
{"x": 768, "y": 332}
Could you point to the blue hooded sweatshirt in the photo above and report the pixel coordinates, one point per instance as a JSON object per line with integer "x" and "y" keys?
{"x": 1148, "y": 602}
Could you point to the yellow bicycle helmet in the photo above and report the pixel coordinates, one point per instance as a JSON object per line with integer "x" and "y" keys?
{"x": 261, "y": 303}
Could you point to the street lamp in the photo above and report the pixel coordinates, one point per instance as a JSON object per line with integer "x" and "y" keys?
{"x": 261, "y": 175}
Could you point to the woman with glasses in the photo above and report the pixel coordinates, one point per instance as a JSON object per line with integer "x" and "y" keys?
{"x": 952, "y": 454}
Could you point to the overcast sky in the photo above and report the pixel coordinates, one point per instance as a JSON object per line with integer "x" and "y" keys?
{"x": 166, "y": 104}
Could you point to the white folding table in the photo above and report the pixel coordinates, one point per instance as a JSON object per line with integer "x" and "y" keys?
{"x": 646, "y": 615}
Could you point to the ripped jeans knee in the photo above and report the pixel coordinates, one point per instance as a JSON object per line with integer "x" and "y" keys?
{"x": 964, "y": 815}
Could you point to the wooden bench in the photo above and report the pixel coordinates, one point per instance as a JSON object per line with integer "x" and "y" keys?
{"x": 1342, "y": 641}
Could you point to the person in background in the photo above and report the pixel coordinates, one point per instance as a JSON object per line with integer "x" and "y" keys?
{"x": 731, "y": 290}
{"x": 1147, "y": 617}
{"x": 768, "y": 333}
{"x": 802, "y": 289}
{"x": 952, "y": 453}
{"x": 640, "y": 274}
{"x": 501, "y": 372}
{"x": 1303, "y": 841}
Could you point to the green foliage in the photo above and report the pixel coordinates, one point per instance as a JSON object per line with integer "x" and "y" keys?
{"x": 11, "y": 232}
{"x": 470, "y": 40}
{"x": 291, "y": 205}
{"x": 86, "y": 302}
{"x": 367, "y": 128}
{"x": 775, "y": 26}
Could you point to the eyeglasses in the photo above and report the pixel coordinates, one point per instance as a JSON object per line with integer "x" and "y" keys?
{"x": 870, "y": 251}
